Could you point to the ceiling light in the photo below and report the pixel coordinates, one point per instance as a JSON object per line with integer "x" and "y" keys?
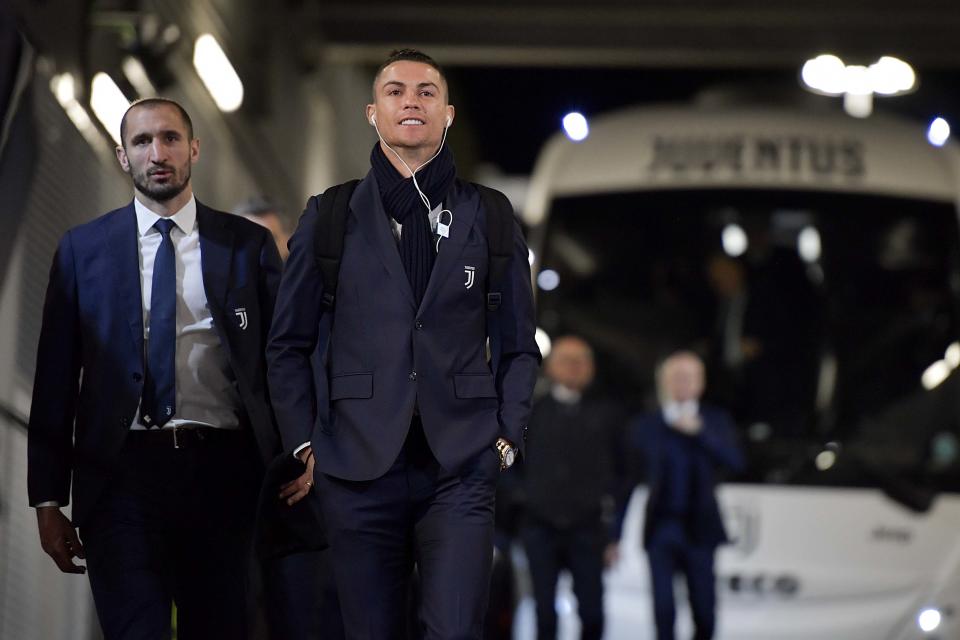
{"x": 734, "y": 240}
{"x": 829, "y": 75}
{"x": 548, "y": 279}
{"x": 108, "y": 104}
{"x": 217, "y": 74}
{"x": 137, "y": 76}
{"x": 575, "y": 126}
{"x": 929, "y": 620}
{"x": 939, "y": 132}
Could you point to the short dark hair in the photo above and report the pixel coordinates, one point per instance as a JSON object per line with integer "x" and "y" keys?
{"x": 150, "y": 103}
{"x": 412, "y": 55}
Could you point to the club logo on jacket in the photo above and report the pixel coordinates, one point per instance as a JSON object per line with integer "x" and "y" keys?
{"x": 469, "y": 273}
{"x": 241, "y": 313}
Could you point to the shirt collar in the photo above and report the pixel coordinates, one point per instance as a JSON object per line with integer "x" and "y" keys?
{"x": 673, "y": 410}
{"x": 564, "y": 395}
{"x": 185, "y": 219}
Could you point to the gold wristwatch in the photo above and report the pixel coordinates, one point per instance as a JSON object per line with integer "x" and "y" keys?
{"x": 508, "y": 453}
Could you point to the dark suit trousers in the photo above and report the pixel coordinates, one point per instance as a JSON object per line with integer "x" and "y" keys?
{"x": 175, "y": 525}
{"x": 670, "y": 551}
{"x": 301, "y": 597}
{"x": 579, "y": 549}
{"x": 415, "y": 513}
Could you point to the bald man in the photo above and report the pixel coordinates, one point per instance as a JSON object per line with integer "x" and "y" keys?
{"x": 571, "y": 471}
{"x": 681, "y": 447}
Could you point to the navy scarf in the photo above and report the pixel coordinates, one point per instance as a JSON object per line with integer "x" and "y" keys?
{"x": 403, "y": 204}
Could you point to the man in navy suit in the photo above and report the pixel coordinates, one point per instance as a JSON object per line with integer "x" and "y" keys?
{"x": 150, "y": 395}
{"x": 681, "y": 447}
{"x": 403, "y": 423}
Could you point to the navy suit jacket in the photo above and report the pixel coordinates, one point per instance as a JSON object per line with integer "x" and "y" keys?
{"x": 90, "y": 362}
{"x": 351, "y": 390}
{"x": 715, "y": 446}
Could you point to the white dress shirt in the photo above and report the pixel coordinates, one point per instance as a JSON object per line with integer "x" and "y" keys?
{"x": 674, "y": 411}
{"x": 207, "y": 392}
{"x": 434, "y": 218}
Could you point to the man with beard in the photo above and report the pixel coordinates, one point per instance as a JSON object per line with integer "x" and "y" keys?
{"x": 407, "y": 446}
{"x": 150, "y": 395}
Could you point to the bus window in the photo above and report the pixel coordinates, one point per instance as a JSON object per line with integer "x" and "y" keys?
{"x": 817, "y": 313}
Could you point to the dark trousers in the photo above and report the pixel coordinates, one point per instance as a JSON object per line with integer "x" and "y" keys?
{"x": 416, "y": 513}
{"x": 579, "y": 549}
{"x": 670, "y": 551}
{"x": 174, "y": 525}
{"x": 301, "y": 597}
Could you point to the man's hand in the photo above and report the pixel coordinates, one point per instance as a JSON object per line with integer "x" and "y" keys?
{"x": 611, "y": 555}
{"x": 690, "y": 425}
{"x": 297, "y": 489}
{"x": 59, "y": 539}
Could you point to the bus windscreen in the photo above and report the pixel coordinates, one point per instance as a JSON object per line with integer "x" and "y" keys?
{"x": 822, "y": 318}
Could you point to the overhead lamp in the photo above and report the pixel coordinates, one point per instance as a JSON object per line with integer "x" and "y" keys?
{"x": 808, "y": 244}
{"x": 734, "y": 240}
{"x": 928, "y": 620}
{"x": 63, "y": 87}
{"x": 217, "y": 74}
{"x": 935, "y": 374}
{"x": 939, "y": 132}
{"x": 828, "y": 75}
{"x": 108, "y": 104}
{"x": 136, "y": 74}
{"x": 548, "y": 279}
{"x": 575, "y": 126}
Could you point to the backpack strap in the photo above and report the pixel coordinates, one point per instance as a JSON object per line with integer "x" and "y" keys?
{"x": 334, "y": 206}
{"x": 500, "y": 223}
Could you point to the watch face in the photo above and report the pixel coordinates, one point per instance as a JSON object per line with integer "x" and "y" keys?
{"x": 509, "y": 457}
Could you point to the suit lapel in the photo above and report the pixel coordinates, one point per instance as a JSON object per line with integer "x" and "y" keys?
{"x": 464, "y": 214}
{"x": 366, "y": 206}
{"x": 124, "y": 251}
{"x": 216, "y": 257}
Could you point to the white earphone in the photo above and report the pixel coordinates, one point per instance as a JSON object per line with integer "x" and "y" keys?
{"x": 443, "y": 230}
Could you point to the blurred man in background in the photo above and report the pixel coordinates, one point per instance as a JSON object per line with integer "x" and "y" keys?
{"x": 570, "y": 477}
{"x": 267, "y": 214}
{"x": 680, "y": 448}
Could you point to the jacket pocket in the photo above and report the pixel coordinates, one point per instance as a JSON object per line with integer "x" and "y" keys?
{"x": 474, "y": 385}
{"x": 351, "y": 385}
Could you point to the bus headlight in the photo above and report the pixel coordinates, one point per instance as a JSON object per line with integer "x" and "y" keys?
{"x": 928, "y": 620}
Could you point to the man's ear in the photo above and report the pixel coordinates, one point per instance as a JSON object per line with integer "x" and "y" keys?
{"x": 122, "y": 158}
{"x": 194, "y": 150}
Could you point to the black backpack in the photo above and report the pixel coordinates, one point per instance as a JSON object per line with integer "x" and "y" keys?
{"x": 334, "y": 206}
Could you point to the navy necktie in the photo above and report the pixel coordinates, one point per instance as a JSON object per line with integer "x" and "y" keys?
{"x": 159, "y": 389}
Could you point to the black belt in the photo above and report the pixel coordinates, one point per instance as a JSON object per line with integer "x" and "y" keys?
{"x": 182, "y": 437}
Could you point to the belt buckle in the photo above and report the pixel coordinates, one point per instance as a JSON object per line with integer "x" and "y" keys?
{"x": 187, "y": 432}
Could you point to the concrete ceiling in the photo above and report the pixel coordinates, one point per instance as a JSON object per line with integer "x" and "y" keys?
{"x": 618, "y": 33}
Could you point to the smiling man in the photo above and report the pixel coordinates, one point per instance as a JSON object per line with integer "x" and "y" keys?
{"x": 150, "y": 395}
{"x": 402, "y": 423}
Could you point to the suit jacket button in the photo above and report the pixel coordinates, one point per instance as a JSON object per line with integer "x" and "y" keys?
{"x": 419, "y": 324}
{"x": 137, "y": 377}
{"x": 413, "y": 375}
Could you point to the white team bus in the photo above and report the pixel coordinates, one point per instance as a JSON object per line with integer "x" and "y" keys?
{"x": 814, "y": 260}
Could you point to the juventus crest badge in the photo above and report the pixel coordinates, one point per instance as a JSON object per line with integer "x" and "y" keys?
{"x": 241, "y": 313}
{"x": 469, "y": 273}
